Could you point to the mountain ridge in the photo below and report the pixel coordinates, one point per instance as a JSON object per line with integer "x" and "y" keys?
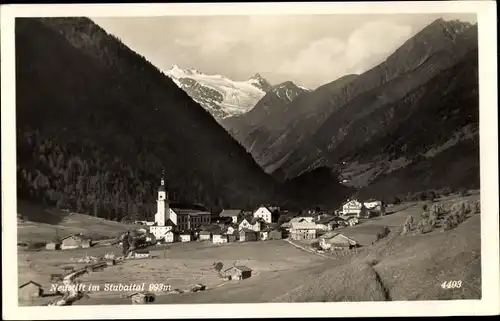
{"x": 219, "y": 95}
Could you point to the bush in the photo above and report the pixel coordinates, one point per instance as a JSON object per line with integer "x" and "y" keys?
{"x": 424, "y": 207}
{"x": 396, "y": 200}
{"x": 425, "y": 215}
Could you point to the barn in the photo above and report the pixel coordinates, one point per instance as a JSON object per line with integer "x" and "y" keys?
{"x": 238, "y": 272}
{"x": 30, "y": 290}
{"x": 75, "y": 241}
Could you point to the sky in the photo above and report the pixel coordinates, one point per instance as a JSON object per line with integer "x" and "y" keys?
{"x": 309, "y": 50}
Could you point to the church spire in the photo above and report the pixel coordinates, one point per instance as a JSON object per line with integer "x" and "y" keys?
{"x": 162, "y": 184}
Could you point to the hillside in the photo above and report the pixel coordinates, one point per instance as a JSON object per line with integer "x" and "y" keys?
{"x": 96, "y": 124}
{"x": 275, "y": 123}
{"x": 321, "y": 120}
{"x": 41, "y": 224}
{"x": 410, "y": 142}
{"x": 220, "y": 96}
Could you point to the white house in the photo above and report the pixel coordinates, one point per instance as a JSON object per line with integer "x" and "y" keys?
{"x": 254, "y": 224}
{"x": 264, "y": 213}
{"x": 352, "y": 207}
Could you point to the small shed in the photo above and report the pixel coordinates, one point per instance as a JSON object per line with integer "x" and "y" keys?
{"x": 75, "y": 241}
{"x": 141, "y": 254}
{"x": 185, "y": 237}
{"x": 247, "y": 235}
{"x": 30, "y": 290}
{"x": 141, "y": 297}
{"x": 238, "y": 272}
{"x": 169, "y": 237}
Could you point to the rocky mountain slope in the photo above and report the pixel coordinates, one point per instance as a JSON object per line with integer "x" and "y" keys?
{"x": 364, "y": 120}
{"x": 97, "y": 123}
{"x": 220, "y": 96}
{"x": 428, "y": 138}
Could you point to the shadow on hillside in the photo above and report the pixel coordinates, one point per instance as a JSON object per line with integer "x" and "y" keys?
{"x": 40, "y": 214}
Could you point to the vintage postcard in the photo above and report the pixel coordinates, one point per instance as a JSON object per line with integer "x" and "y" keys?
{"x": 241, "y": 159}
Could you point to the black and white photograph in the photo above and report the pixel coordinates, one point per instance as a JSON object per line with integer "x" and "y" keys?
{"x": 186, "y": 154}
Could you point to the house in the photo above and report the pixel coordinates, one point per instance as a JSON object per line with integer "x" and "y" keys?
{"x": 252, "y": 223}
{"x": 336, "y": 240}
{"x": 264, "y": 235}
{"x": 30, "y": 290}
{"x": 328, "y": 223}
{"x": 160, "y": 232}
{"x": 351, "y": 207}
{"x": 219, "y": 237}
{"x": 264, "y": 213}
{"x": 247, "y": 235}
{"x": 75, "y": 241}
{"x": 275, "y": 235}
{"x": 365, "y": 209}
{"x": 141, "y": 297}
{"x": 233, "y": 214}
{"x": 238, "y": 272}
{"x": 205, "y": 235}
{"x": 303, "y": 231}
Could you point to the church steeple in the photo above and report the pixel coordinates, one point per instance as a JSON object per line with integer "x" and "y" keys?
{"x": 162, "y": 187}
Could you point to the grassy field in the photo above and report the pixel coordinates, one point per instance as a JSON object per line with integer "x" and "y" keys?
{"x": 410, "y": 267}
{"x": 41, "y": 224}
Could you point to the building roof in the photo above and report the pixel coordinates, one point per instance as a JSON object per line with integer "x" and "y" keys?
{"x": 83, "y": 237}
{"x": 242, "y": 268}
{"x": 205, "y": 232}
{"x": 246, "y": 230}
{"x": 330, "y": 236}
{"x": 30, "y": 282}
{"x": 189, "y": 211}
{"x": 230, "y": 213}
{"x": 303, "y": 225}
{"x": 301, "y": 219}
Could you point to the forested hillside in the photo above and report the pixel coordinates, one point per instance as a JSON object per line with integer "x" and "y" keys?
{"x": 97, "y": 123}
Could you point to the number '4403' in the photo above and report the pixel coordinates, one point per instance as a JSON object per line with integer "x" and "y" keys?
{"x": 451, "y": 284}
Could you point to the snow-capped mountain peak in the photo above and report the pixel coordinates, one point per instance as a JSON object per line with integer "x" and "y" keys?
{"x": 220, "y": 96}
{"x": 260, "y": 82}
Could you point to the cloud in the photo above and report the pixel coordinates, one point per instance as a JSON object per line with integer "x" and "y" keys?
{"x": 330, "y": 58}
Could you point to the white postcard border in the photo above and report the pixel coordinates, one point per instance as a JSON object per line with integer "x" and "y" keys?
{"x": 489, "y": 304}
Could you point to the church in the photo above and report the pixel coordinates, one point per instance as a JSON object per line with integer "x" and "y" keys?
{"x": 165, "y": 217}
{"x": 170, "y": 218}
